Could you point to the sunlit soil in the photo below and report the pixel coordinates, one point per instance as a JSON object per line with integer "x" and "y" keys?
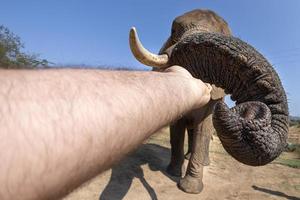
{"x": 142, "y": 176}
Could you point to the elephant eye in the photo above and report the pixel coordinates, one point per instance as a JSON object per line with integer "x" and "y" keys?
{"x": 174, "y": 36}
{"x": 173, "y": 31}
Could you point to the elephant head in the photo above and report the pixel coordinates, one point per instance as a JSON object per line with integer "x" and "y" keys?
{"x": 254, "y": 131}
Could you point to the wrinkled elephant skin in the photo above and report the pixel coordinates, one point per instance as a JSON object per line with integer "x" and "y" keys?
{"x": 254, "y": 132}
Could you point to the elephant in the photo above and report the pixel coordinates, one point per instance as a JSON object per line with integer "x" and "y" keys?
{"x": 255, "y": 130}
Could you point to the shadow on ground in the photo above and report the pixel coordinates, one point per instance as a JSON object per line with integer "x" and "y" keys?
{"x": 155, "y": 156}
{"x": 276, "y": 193}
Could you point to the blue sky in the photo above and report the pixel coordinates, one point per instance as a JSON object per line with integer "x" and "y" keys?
{"x": 96, "y": 32}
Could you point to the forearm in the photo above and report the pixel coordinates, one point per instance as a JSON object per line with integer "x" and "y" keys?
{"x": 62, "y": 127}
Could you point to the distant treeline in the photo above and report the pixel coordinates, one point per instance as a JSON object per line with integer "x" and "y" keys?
{"x": 294, "y": 121}
{"x": 104, "y": 67}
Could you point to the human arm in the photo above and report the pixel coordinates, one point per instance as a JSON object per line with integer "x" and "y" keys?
{"x": 60, "y": 128}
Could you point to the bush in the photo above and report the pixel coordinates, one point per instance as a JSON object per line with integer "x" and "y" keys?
{"x": 11, "y": 55}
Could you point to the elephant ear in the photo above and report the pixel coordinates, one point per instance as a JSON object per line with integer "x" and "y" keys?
{"x": 255, "y": 131}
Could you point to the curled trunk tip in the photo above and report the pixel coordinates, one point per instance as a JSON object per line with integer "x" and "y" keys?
{"x": 246, "y": 133}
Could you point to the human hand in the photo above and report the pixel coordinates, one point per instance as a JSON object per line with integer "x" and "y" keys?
{"x": 201, "y": 90}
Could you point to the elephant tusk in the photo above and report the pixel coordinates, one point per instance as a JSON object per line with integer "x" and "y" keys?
{"x": 143, "y": 55}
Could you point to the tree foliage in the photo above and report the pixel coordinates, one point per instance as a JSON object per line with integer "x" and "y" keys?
{"x": 11, "y": 55}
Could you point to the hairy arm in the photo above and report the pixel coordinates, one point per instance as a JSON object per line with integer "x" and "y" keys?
{"x": 60, "y": 128}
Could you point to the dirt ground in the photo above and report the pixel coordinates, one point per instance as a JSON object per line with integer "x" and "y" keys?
{"x": 142, "y": 176}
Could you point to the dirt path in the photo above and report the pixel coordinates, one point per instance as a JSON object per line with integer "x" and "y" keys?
{"x": 142, "y": 176}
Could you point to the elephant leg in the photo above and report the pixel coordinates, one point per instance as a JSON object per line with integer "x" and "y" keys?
{"x": 177, "y": 131}
{"x": 190, "y": 144}
{"x": 192, "y": 182}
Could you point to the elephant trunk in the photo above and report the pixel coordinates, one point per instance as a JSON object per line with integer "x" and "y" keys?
{"x": 255, "y": 131}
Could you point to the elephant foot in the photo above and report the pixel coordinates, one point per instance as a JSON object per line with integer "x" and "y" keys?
{"x": 190, "y": 184}
{"x": 174, "y": 170}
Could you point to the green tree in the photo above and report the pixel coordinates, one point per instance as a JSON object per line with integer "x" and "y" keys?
{"x": 11, "y": 55}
